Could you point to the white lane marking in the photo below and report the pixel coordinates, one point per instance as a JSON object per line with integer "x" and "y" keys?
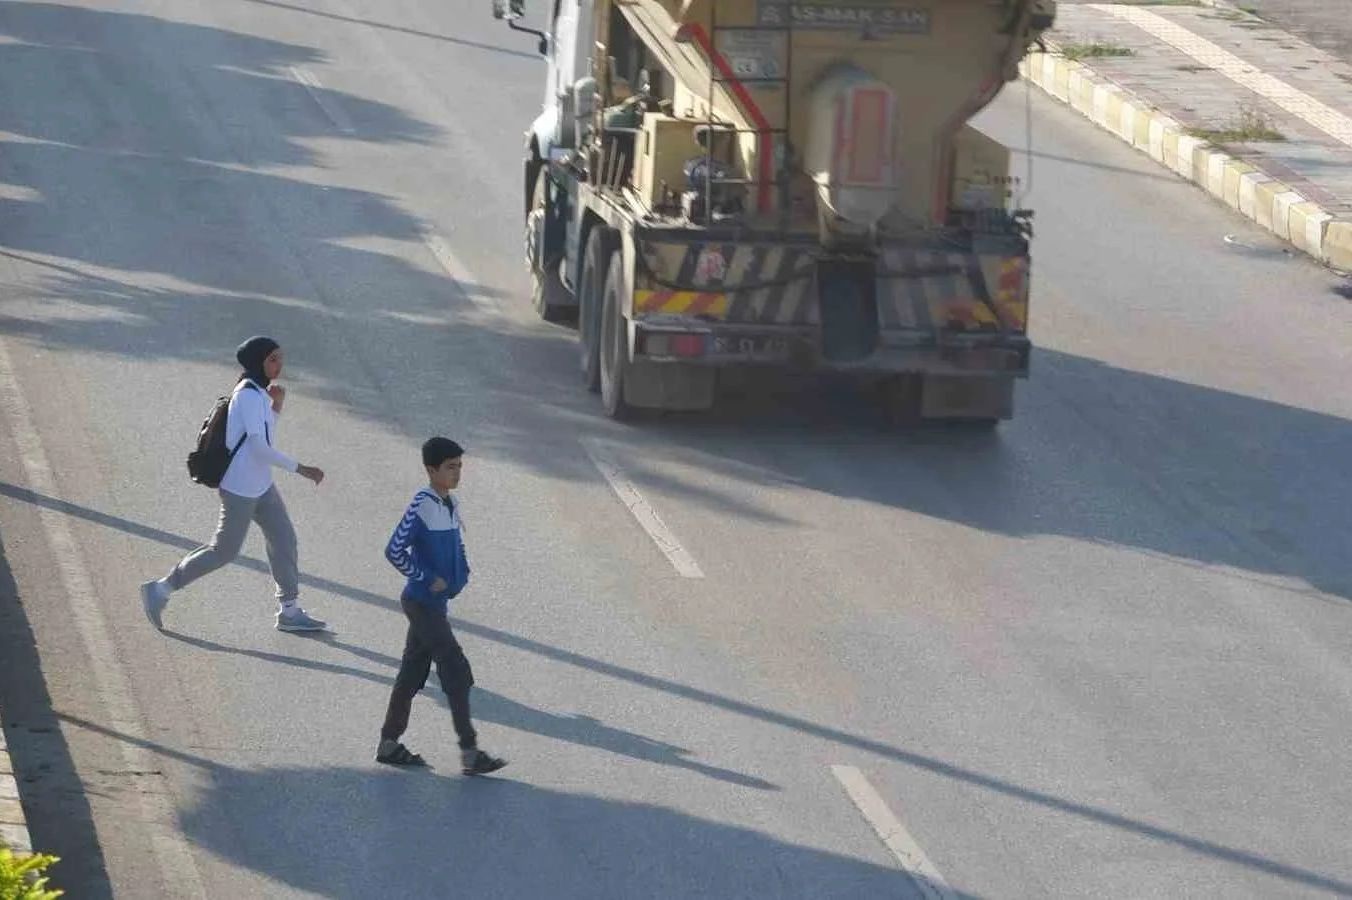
{"x": 315, "y": 89}
{"x": 458, "y": 271}
{"x": 647, "y": 517}
{"x": 176, "y": 864}
{"x": 894, "y": 835}
{"x": 1296, "y": 102}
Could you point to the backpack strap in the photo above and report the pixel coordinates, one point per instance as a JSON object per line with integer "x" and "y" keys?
{"x": 247, "y": 382}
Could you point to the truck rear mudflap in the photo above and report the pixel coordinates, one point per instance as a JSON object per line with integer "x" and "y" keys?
{"x": 909, "y": 309}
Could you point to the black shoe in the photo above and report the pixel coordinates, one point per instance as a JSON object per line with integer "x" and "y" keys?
{"x": 393, "y": 753}
{"x": 477, "y": 762}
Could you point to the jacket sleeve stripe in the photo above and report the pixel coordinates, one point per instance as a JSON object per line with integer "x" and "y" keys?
{"x": 399, "y": 550}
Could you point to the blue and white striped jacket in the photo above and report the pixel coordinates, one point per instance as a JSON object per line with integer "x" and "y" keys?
{"x": 427, "y": 545}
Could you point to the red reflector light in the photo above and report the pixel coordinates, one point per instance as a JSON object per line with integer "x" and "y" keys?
{"x": 668, "y": 344}
{"x": 687, "y": 344}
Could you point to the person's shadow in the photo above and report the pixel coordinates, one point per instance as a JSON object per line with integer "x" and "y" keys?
{"x": 356, "y": 832}
{"x": 499, "y": 709}
{"x": 376, "y": 831}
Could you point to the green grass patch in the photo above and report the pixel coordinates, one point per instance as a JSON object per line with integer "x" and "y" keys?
{"x": 1096, "y": 50}
{"x": 1248, "y": 126}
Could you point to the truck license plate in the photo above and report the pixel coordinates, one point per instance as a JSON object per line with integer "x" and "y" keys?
{"x": 751, "y": 346}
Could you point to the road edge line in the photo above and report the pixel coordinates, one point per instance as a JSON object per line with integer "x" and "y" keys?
{"x": 170, "y": 850}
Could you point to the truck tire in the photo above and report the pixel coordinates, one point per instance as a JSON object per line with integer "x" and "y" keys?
{"x": 614, "y": 342}
{"x": 548, "y": 295}
{"x": 591, "y": 296}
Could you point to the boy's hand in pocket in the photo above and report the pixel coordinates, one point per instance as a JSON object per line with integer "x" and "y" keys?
{"x": 438, "y": 584}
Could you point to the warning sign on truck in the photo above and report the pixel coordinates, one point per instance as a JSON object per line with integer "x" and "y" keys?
{"x": 754, "y": 54}
{"x": 871, "y": 19}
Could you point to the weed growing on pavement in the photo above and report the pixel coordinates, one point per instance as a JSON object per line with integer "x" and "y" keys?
{"x": 21, "y": 877}
{"x": 1249, "y": 125}
{"x": 1095, "y": 50}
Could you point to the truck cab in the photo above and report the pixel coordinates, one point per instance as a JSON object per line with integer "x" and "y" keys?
{"x": 567, "y": 63}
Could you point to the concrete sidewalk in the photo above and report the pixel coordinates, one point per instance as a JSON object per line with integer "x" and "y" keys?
{"x": 13, "y": 825}
{"x": 1254, "y": 115}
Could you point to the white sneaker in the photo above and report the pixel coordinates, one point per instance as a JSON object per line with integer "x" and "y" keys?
{"x": 154, "y": 598}
{"x": 297, "y": 619}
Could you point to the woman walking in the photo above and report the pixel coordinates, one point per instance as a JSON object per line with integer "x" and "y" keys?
{"x": 248, "y": 493}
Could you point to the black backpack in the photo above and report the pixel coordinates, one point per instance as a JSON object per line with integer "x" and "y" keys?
{"x": 207, "y": 464}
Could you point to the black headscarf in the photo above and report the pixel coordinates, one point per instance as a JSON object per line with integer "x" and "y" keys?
{"x": 251, "y": 355}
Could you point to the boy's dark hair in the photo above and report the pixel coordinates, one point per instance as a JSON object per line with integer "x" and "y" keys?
{"x": 437, "y": 450}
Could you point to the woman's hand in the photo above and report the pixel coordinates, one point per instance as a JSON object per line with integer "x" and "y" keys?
{"x": 278, "y": 395}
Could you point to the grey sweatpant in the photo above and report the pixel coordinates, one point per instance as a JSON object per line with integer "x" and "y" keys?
{"x": 236, "y": 514}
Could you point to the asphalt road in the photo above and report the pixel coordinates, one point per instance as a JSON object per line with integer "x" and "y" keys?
{"x": 1324, "y": 23}
{"x": 1102, "y": 652}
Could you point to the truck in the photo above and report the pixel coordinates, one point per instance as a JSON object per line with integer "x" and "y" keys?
{"x": 786, "y": 184}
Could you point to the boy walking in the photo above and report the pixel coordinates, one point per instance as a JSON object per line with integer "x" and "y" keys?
{"x": 428, "y": 550}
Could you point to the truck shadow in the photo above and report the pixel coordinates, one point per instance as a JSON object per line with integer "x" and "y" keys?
{"x": 1096, "y": 453}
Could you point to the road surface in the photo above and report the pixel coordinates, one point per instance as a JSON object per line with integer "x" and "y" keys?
{"x": 1100, "y": 652}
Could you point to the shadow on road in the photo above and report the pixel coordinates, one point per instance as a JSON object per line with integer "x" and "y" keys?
{"x": 146, "y": 185}
{"x": 509, "y": 712}
{"x": 397, "y": 29}
{"x": 59, "y": 817}
{"x": 489, "y": 706}
{"x": 1099, "y": 454}
{"x": 517, "y": 840}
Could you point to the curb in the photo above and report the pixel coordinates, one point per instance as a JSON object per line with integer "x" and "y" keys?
{"x": 13, "y": 826}
{"x": 1240, "y": 185}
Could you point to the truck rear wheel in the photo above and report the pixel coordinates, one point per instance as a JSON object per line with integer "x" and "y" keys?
{"x": 591, "y": 297}
{"x": 548, "y": 295}
{"x": 614, "y": 342}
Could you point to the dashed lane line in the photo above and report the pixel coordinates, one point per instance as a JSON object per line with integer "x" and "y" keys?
{"x": 315, "y": 89}
{"x": 894, "y": 835}
{"x": 648, "y": 519}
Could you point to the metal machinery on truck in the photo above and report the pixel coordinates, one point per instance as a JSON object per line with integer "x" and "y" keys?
{"x": 791, "y": 183}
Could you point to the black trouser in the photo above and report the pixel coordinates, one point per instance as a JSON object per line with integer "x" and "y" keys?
{"x": 430, "y": 640}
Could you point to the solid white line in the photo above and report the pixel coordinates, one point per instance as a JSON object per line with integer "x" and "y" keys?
{"x": 176, "y": 864}
{"x": 894, "y": 835}
{"x": 458, "y": 271}
{"x": 315, "y": 89}
{"x": 647, "y": 517}
{"x": 1296, "y": 102}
